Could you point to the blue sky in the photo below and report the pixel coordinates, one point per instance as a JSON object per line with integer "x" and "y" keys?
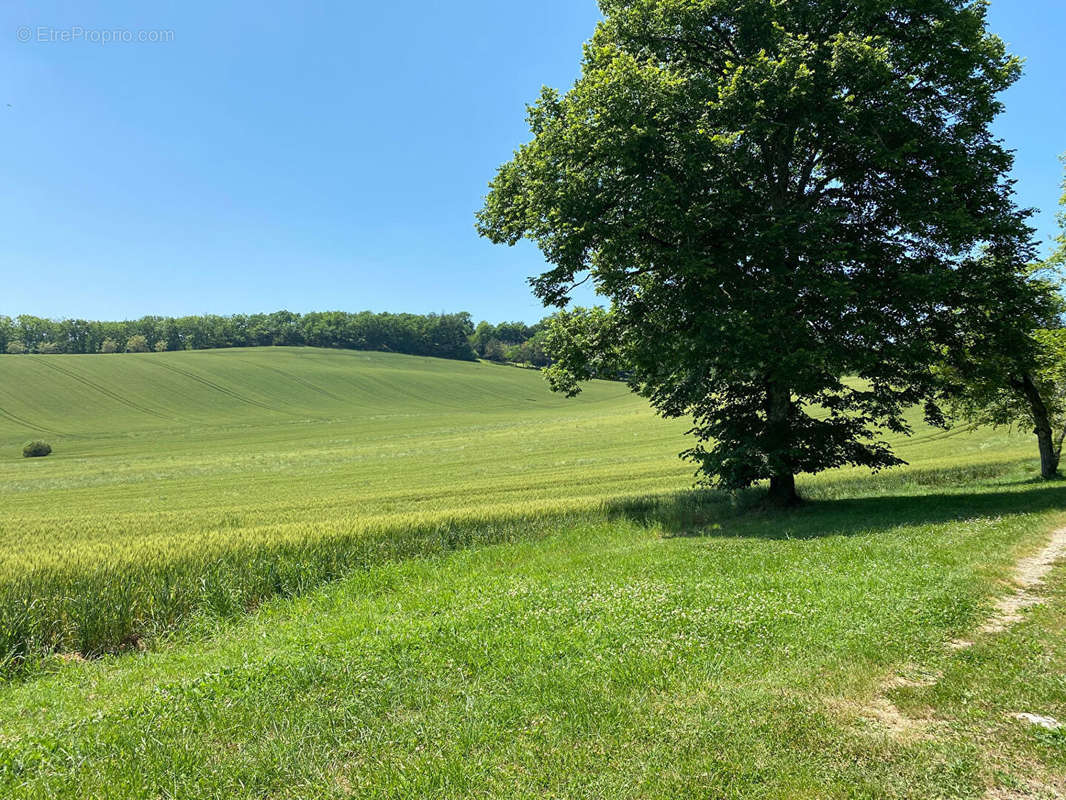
{"x": 311, "y": 155}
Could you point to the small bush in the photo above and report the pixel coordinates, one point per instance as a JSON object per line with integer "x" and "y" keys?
{"x": 16, "y": 348}
{"x": 109, "y": 346}
{"x": 48, "y": 348}
{"x": 161, "y": 346}
{"x": 36, "y": 449}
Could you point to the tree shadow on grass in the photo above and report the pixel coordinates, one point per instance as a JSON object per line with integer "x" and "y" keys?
{"x": 716, "y": 514}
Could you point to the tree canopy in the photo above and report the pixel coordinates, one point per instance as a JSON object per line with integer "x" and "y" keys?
{"x": 439, "y": 335}
{"x": 772, "y": 196}
{"x": 1058, "y": 259}
{"x": 1006, "y": 362}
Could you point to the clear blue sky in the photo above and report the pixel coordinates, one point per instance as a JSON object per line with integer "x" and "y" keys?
{"x": 311, "y": 155}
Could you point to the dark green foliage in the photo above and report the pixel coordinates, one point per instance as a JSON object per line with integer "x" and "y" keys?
{"x": 484, "y": 333}
{"x": 36, "y": 449}
{"x": 513, "y": 342}
{"x": 439, "y": 335}
{"x": 493, "y": 350}
{"x": 1006, "y": 361}
{"x": 33, "y": 331}
{"x": 1058, "y": 258}
{"x": 532, "y": 351}
{"x": 7, "y": 333}
{"x": 772, "y": 196}
{"x": 584, "y": 345}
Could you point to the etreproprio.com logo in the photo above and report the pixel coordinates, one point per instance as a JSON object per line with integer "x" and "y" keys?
{"x": 46, "y": 34}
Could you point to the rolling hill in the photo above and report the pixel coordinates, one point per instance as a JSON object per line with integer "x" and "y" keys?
{"x": 238, "y": 464}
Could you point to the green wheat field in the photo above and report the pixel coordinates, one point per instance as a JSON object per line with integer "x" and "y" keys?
{"x": 300, "y": 573}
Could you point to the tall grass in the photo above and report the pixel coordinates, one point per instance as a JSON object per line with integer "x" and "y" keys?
{"x": 111, "y": 606}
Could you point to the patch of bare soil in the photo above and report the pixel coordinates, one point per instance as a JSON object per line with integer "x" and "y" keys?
{"x": 883, "y": 716}
{"x": 1029, "y": 575}
{"x": 1032, "y": 791}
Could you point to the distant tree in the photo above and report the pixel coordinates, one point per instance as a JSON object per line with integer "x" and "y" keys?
{"x": 1029, "y": 392}
{"x": 137, "y": 344}
{"x": 1007, "y": 361}
{"x": 484, "y": 333}
{"x": 437, "y": 335}
{"x": 521, "y": 343}
{"x": 445, "y": 336}
{"x": 77, "y": 336}
{"x": 160, "y": 346}
{"x": 494, "y": 351}
{"x": 772, "y": 196}
{"x": 530, "y": 352}
{"x": 285, "y": 328}
{"x": 116, "y": 331}
{"x": 7, "y": 332}
{"x": 109, "y": 346}
{"x": 48, "y": 348}
{"x": 16, "y": 348}
{"x": 513, "y": 332}
{"x": 1058, "y": 258}
{"x": 33, "y": 330}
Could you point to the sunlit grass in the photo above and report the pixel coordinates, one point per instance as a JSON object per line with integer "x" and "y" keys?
{"x": 213, "y": 480}
{"x": 663, "y": 647}
{"x": 466, "y": 586}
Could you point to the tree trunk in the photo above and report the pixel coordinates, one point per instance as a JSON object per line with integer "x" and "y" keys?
{"x": 782, "y": 479}
{"x": 1049, "y": 456}
{"x": 1050, "y": 451}
{"x": 783, "y": 491}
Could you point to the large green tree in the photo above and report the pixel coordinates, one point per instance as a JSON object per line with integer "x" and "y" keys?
{"x": 772, "y": 195}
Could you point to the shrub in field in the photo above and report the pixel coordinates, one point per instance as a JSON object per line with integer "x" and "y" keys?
{"x": 16, "y": 348}
{"x": 48, "y": 348}
{"x": 109, "y": 346}
{"x": 137, "y": 344}
{"x": 160, "y": 346}
{"x": 37, "y": 449}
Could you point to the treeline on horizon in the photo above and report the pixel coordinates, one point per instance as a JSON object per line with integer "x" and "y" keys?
{"x": 451, "y": 336}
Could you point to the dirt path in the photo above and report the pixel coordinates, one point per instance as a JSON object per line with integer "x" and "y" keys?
{"x": 1028, "y": 576}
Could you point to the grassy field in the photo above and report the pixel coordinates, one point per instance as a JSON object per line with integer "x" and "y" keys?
{"x": 183, "y": 481}
{"x": 611, "y": 634}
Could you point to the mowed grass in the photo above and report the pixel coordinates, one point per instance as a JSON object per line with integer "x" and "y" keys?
{"x": 612, "y": 634}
